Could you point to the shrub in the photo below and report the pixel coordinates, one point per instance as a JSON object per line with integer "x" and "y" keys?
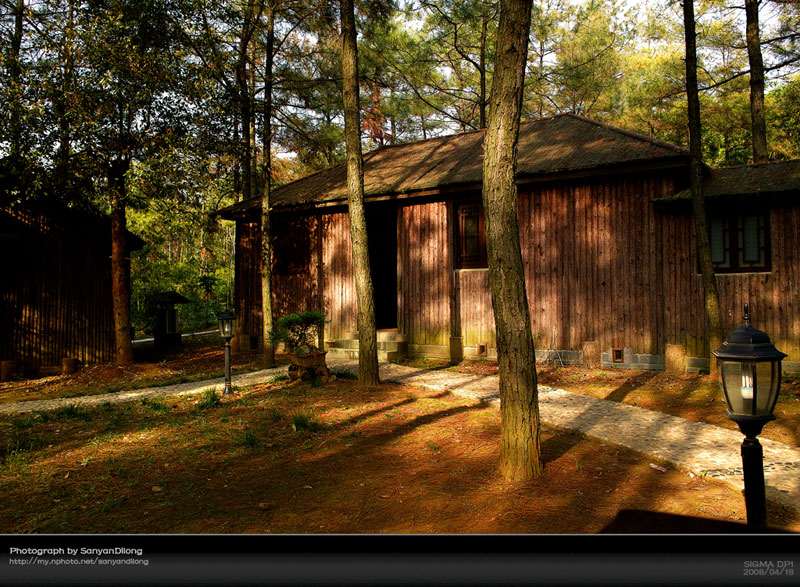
{"x": 299, "y": 331}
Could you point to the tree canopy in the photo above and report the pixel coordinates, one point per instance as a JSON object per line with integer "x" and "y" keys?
{"x": 165, "y": 102}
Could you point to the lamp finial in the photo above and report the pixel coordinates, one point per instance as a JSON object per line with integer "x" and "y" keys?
{"x": 746, "y": 314}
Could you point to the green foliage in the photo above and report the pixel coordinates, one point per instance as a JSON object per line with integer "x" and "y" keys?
{"x": 783, "y": 120}
{"x": 299, "y": 331}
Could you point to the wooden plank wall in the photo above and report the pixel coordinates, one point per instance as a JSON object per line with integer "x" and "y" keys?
{"x": 423, "y": 273}
{"x": 290, "y": 293}
{"x": 601, "y": 263}
{"x": 774, "y": 297}
{"x": 592, "y": 260}
{"x": 55, "y": 296}
{"x": 339, "y": 296}
{"x": 247, "y": 286}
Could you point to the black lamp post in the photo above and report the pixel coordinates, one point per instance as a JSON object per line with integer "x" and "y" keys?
{"x": 751, "y": 379}
{"x": 227, "y": 325}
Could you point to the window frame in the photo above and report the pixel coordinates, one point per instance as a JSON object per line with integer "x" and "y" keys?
{"x": 733, "y": 235}
{"x": 477, "y": 262}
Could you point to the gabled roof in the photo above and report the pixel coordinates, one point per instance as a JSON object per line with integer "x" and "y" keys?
{"x": 547, "y": 147}
{"x": 775, "y": 179}
{"x": 41, "y": 217}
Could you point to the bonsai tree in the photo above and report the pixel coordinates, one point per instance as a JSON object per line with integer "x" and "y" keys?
{"x": 300, "y": 331}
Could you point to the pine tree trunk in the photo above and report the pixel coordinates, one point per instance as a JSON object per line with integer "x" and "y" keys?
{"x": 367, "y": 336}
{"x": 61, "y": 108}
{"x": 245, "y": 112}
{"x": 482, "y": 67}
{"x": 759, "y": 124}
{"x": 244, "y": 102}
{"x": 120, "y": 276}
{"x": 266, "y": 252}
{"x": 15, "y": 73}
{"x": 713, "y": 313}
{"x": 520, "y": 445}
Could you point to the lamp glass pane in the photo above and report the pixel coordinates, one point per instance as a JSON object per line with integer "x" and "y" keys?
{"x": 738, "y": 381}
{"x": 767, "y": 388}
{"x": 750, "y": 238}
{"x": 226, "y": 328}
{"x": 717, "y": 234}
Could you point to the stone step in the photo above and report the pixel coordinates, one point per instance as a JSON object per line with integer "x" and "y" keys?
{"x": 382, "y": 345}
{"x": 383, "y": 336}
{"x": 388, "y": 350}
{"x": 352, "y": 354}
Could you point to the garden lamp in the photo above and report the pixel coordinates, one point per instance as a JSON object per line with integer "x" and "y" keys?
{"x": 227, "y": 325}
{"x": 751, "y": 379}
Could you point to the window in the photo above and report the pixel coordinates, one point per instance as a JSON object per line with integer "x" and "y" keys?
{"x": 471, "y": 234}
{"x": 739, "y": 241}
{"x": 291, "y": 246}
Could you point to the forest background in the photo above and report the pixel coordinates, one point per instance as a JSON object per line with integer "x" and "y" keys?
{"x": 163, "y": 106}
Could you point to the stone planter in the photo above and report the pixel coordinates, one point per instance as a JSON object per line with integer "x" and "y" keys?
{"x": 69, "y": 366}
{"x": 315, "y": 359}
{"x": 309, "y": 366}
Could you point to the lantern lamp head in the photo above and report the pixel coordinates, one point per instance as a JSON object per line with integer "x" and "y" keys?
{"x": 227, "y": 324}
{"x": 751, "y": 373}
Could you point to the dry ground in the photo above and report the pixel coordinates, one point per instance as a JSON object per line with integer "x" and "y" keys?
{"x": 313, "y": 458}
{"x": 317, "y": 459}
{"x": 195, "y": 360}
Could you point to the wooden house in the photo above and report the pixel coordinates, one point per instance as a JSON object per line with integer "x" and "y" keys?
{"x": 55, "y": 289}
{"x": 607, "y": 241}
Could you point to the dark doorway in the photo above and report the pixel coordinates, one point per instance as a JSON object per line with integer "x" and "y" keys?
{"x": 382, "y": 237}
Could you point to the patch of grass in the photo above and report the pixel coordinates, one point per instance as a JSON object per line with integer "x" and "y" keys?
{"x": 344, "y": 374}
{"x": 305, "y": 422}
{"x": 280, "y": 378}
{"x": 72, "y": 411}
{"x": 16, "y": 462}
{"x": 248, "y": 439}
{"x": 112, "y": 502}
{"x": 209, "y": 399}
{"x": 275, "y": 415}
{"x": 23, "y": 422}
{"x": 315, "y": 383}
{"x": 157, "y": 405}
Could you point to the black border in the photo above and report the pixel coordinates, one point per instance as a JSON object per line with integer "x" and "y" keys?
{"x": 701, "y": 559}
